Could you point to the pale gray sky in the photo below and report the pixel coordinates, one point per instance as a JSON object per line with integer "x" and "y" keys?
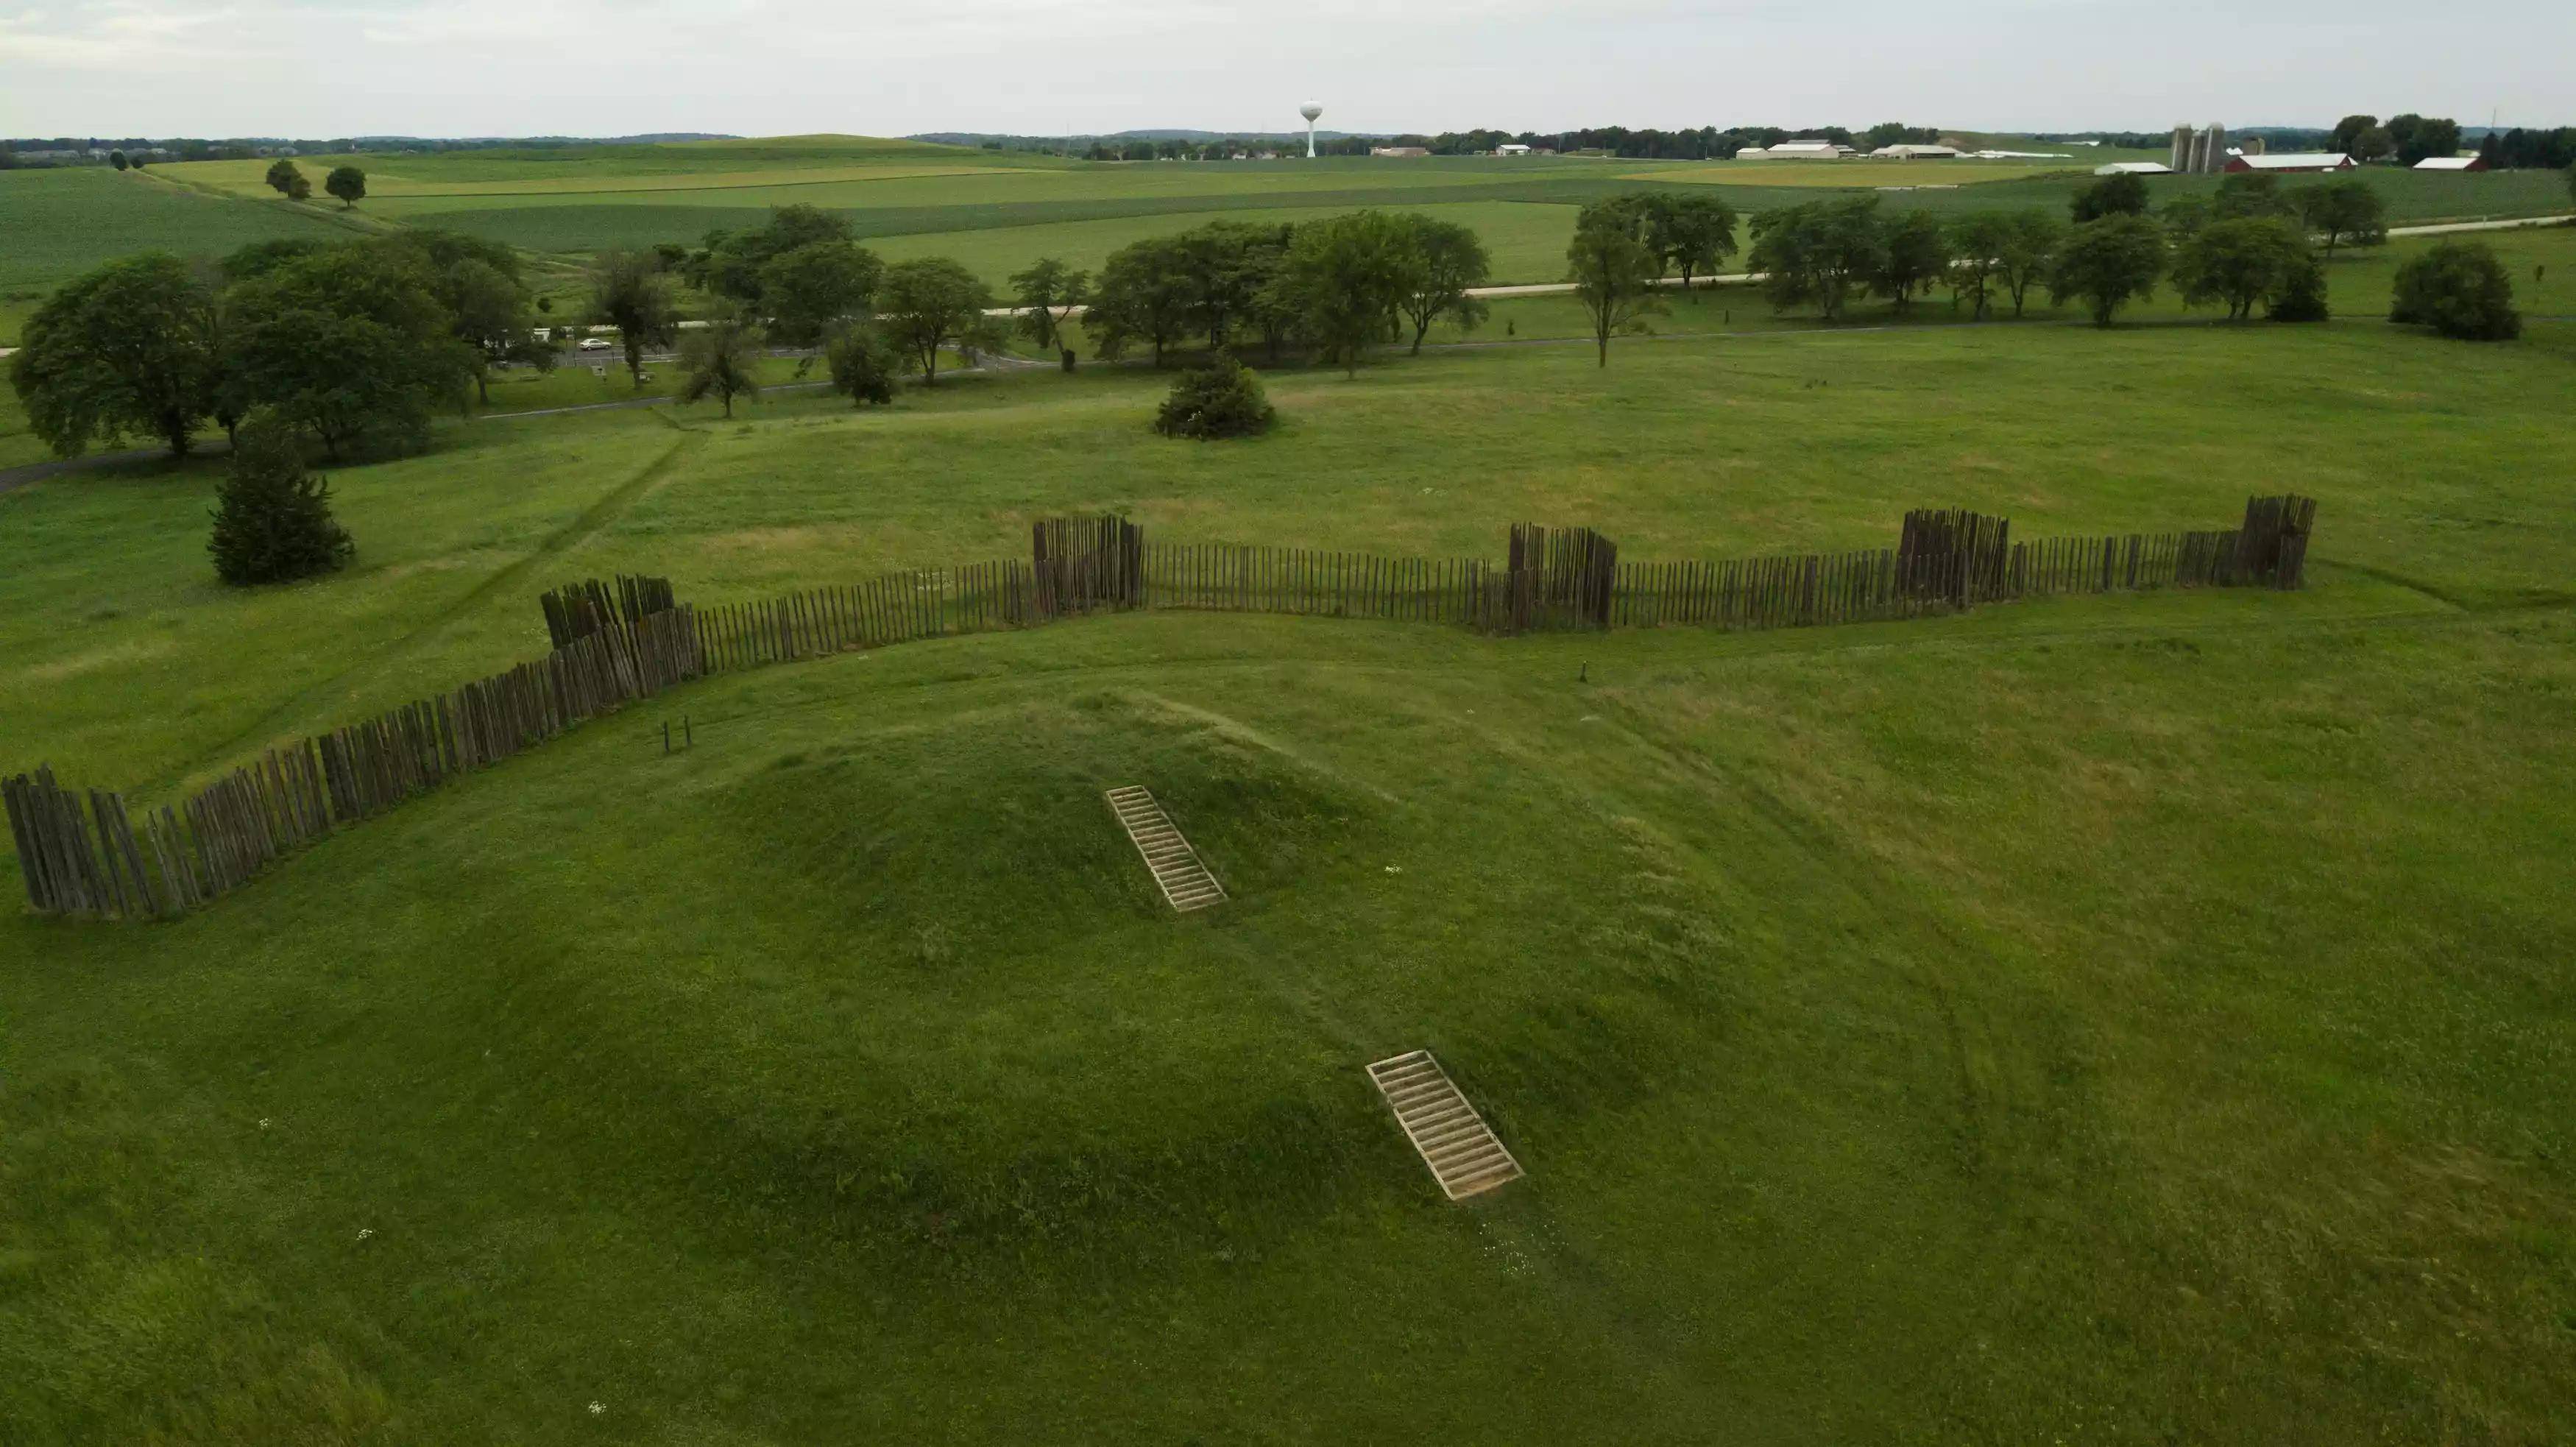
{"x": 771, "y": 67}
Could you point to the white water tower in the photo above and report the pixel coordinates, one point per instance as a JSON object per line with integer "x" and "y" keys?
{"x": 1310, "y": 110}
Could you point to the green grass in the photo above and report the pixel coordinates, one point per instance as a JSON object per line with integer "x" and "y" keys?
{"x": 2136, "y": 1019}
{"x": 1527, "y": 240}
{"x": 61, "y": 222}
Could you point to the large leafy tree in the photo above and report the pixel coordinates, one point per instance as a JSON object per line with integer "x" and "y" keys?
{"x": 2459, "y": 289}
{"x": 932, "y": 302}
{"x": 732, "y": 264}
{"x": 2119, "y": 195}
{"x": 1978, "y": 241}
{"x": 809, "y": 291}
{"x": 1348, "y": 274}
{"x": 1693, "y": 234}
{"x": 2416, "y": 137}
{"x": 127, "y": 350}
{"x": 1915, "y": 255}
{"x": 1147, "y": 294}
{"x": 2250, "y": 193}
{"x": 1442, "y": 261}
{"x": 721, "y": 360}
{"x": 1820, "y": 252}
{"x": 2239, "y": 261}
{"x": 2029, "y": 252}
{"x": 2108, "y": 263}
{"x": 348, "y": 183}
{"x": 2349, "y": 131}
{"x": 629, "y": 291}
{"x": 1613, "y": 270}
{"x": 283, "y": 175}
{"x": 1045, "y": 296}
{"x": 2344, "y": 212}
{"x": 1228, "y": 264}
{"x": 350, "y": 344}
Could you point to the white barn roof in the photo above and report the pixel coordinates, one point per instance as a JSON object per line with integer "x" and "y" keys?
{"x": 2446, "y": 163}
{"x": 2296, "y": 161}
{"x": 2134, "y": 168}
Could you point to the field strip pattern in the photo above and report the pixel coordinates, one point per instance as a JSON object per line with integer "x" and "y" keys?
{"x": 1185, "y": 881}
{"x": 1464, "y": 1155}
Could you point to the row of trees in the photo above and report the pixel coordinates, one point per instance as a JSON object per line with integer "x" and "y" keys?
{"x": 2409, "y": 137}
{"x": 346, "y": 343}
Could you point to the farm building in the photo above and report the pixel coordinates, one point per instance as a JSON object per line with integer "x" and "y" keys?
{"x": 1510, "y": 148}
{"x": 2452, "y": 163}
{"x": 1916, "y": 153}
{"x": 2292, "y": 161}
{"x": 1399, "y": 150}
{"x": 1796, "y": 151}
{"x": 2134, "y": 168}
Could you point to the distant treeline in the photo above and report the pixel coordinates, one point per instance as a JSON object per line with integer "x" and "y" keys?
{"x": 1707, "y": 143}
{"x": 18, "y": 151}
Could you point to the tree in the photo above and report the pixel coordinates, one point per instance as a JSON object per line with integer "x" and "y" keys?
{"x": 261, "y": 257}
{"x": 1045, "y": 296}
{"x": 1348, "y": 277}
{"x": 2239, "y": 261}
{"x": 1613, "y": 272}
{"x": 2250, "y": 193}
{"x": 2029, "y": 252}
{"x": 273, "y": 520}
{"x": 2302, "y": 295}
{"x": 2372, "y": 144}
{"x": 1820, "y": 252}
{"x": 116, "y": 159}
{"x": 2459, "y": 289}
{"x": 348, "y": 183}
{"x": 349, "y": 344}
{"x": 2344, "y": 211}
{"x": 1219, "y": 399}
{"x": 1978, "y": 242}
{"x": 1914, "y": 254}
{"x": 490, "y": 315}
{"x": 809, "y": 291}
{"x": 1442, "y": 260}
{"x": 2348, "y": 132}
{"x": 1691, "y": 234}
{"x": 2124, "y": 194}
{"x": 2417, "y": 137}
{"x": 2108, "y": 262}
{"x": 298, "y": 188}
{"x": 862, "y": 364}
{"x": 126, "y": 350}
{"x": 629, "y": 292}
{"x": 282, "y": 176}
{"x": 720, "y": 359}
{"x": 732, "y": 265}
{"x": 929, "y": 302}
{"x": 1146, "y": 294}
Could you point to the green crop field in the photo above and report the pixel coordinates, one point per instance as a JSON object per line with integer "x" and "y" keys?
{"x": 2130, "y": 1019}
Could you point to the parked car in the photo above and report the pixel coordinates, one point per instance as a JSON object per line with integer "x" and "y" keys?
{"x": 594, "y": 344}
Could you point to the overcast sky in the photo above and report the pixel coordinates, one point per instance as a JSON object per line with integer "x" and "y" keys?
{"x": 771, "y": 67}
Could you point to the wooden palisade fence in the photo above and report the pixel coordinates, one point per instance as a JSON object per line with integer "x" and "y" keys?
{"x": 613, "y": 647}
{"x": 228, "y": 832}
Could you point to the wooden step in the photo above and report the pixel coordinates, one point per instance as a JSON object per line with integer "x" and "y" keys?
{"x": 1464, "y": 1155}
{"x": 1185, "y": 882}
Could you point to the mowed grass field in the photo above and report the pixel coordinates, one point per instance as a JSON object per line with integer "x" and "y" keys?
{"x": 2131, "y": 1019}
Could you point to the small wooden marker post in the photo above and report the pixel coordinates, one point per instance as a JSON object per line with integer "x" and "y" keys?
{"x": 666, "y": 737}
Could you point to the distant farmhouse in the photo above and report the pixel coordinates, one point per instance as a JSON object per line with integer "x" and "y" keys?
{"x": 1399, "y": 150}
{"x": 2452, "y": 163}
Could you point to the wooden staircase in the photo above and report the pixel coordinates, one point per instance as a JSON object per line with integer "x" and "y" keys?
{"x": 1185, "y": 882}
{"x": 1462, "y": 1151}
